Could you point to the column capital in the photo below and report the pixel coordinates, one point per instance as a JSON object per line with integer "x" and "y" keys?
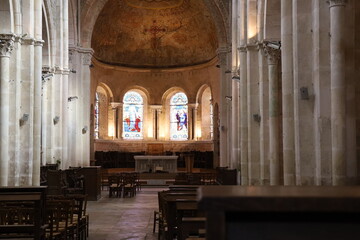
{"x": 156, "y": 108}
{"x": 6, "y": 44}
{"x": 273, "y": 53}
{"x": 222, "y": 53}
{"x": 337, "y": 3}
{"x": 27, "y": 41}
{"x": 115, "y": 105}
{"x": 193, "y": 105}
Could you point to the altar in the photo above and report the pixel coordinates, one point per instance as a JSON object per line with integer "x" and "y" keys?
{"x": 143, "y": 163}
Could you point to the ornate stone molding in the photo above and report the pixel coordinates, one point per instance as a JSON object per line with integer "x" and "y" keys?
{"x": 115, "y": 105}
{"x": 6, "y": 44}
{"x": 253, "y": 47}
{"x": 337, "y": 3}
{"x": 222, "y": 55}
{"x": 273, "y": 54}
{"x": 28, "y": 41}
{"x": 242, "y": 48}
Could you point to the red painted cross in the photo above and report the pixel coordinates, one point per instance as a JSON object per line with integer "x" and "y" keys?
{"x": 154, "y": 30}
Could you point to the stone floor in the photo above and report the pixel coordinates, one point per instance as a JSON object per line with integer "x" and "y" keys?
{"x": 123, "y": 218}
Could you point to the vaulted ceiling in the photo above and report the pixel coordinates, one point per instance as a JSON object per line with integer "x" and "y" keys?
{"x": 154, "y": 33}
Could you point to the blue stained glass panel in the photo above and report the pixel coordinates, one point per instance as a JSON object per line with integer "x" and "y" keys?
{"x": 179, "y": 117}
{"x": 133, "y": 116}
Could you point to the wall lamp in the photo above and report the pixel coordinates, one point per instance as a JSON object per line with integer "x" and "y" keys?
{"x": 72, "y": 98}
{"x": 236, "y": 78}
{"x": 257, "y": 118}
{"x": 274, "y": 44}
{"x": 84, "y": 130}
{"x": 228, "y": 98}
{"x": 24, "y": 119}
{"x": 56, "y": 120}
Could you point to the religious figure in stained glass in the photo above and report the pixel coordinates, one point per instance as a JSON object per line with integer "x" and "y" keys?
{"x": 96, "y": 116}
{"x": 179, "y": 117}
{"x": 133, "y": 116}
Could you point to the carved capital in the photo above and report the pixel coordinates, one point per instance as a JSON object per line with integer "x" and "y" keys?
{"x": 6, "y": 44}
{"x": 273, "y": 54}
{"x": 223, "y": 54}
{"x": 242, "y": 49}
{"x": 115, "y": 105}
{"x": 337, "y": 3}
{"x": 28, "y": 41}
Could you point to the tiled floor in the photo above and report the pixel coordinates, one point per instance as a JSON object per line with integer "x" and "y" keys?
{"x": 123, "y": 218}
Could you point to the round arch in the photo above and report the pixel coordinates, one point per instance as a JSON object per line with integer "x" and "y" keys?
{"x": 6, "y": 16}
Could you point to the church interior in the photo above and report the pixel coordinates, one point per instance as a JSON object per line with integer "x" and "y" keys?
{"x": 179, "y": 119}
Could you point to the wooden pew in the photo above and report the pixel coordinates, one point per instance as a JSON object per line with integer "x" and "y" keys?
{"x": 278, "y": 212}
{"x": 27, "y": 205}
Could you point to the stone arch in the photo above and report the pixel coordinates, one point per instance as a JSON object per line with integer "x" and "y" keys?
{"x": 6, "y": 17}
{"x": 272, "y": 20}
{"x": 107, "y": 89}
{"x": 201, "y": 91}
{"x": 92, "y": 8}
{"x": 46, "y": 51}
{"x": 48, "y": 35}
{"x": 141, "y": 90}
{"x": 204, "y": 118}
{"x": 73, "y": 35}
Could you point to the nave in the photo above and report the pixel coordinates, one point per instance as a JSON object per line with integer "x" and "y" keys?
{"x": 124, "y": 218}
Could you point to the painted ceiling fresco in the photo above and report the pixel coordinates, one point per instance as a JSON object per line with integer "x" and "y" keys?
{"x": 154, "y": 33}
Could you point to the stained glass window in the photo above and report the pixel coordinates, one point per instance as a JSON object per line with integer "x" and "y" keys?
{"x": 133, "y": 116}
{"x": 96, "y": 116}
{"x": 179, "y": 117}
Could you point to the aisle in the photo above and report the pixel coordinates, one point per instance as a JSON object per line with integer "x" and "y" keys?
{"x": 124, "y": 218}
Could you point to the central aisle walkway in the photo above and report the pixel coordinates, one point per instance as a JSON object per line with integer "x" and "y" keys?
{"x": 124, "y": 218}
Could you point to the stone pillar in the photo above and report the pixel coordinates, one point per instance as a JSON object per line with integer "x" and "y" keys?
{"x": 253, "y": 111}
{"x": 287, "y": 92}
{"x": 37, "y": 111}
{"x": 6, "y": 46}
{"x": 338, "y": 90}
{"x": 156, "y": 111}
{"x": 115, "y": 113}
{"x": 224, "y": 107}
{"x": 273, "y": 56}
{"x": 120, "y": 120}
{"x": 86, "y": 103}
{"x": 243, "y": 116}
{"x": 46, "y": 115}
{"x": 192, "y": 120}
{"x": 27, "y": 109}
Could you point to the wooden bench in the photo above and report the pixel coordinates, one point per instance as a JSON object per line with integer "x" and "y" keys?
{"x": 22, "y": 212}
{"x": 291, "y": 213}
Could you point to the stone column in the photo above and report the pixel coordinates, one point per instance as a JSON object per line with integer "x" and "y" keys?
{"x": 253, "y": 123}
{"x": 273, "y": 56}
{"x": 287, "y": 92}
{"x": 120, "y": 120}
{"x": 192, "y": 120}
{"x": 37, "y": 111}
{"x": 45, "y": 115}
{"x": 156, "y": 110}
{"x": 86, "y": 103}
{"x": 338, "y": 90}
{"x": 224, "y": 108}
{"x": 115, "y": 112}
{"x": 6, "y": 46}
{"x": 244, "y": 170}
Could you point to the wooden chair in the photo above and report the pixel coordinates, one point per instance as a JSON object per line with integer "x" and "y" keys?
{"x": 115, "y": 186}
{"x": 129, "y": 185}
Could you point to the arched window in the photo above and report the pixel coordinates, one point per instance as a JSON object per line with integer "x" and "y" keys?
{"x": 96, "y": 116}
{"x": 133, "y": 116}
{"x": 179, "y": 117}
